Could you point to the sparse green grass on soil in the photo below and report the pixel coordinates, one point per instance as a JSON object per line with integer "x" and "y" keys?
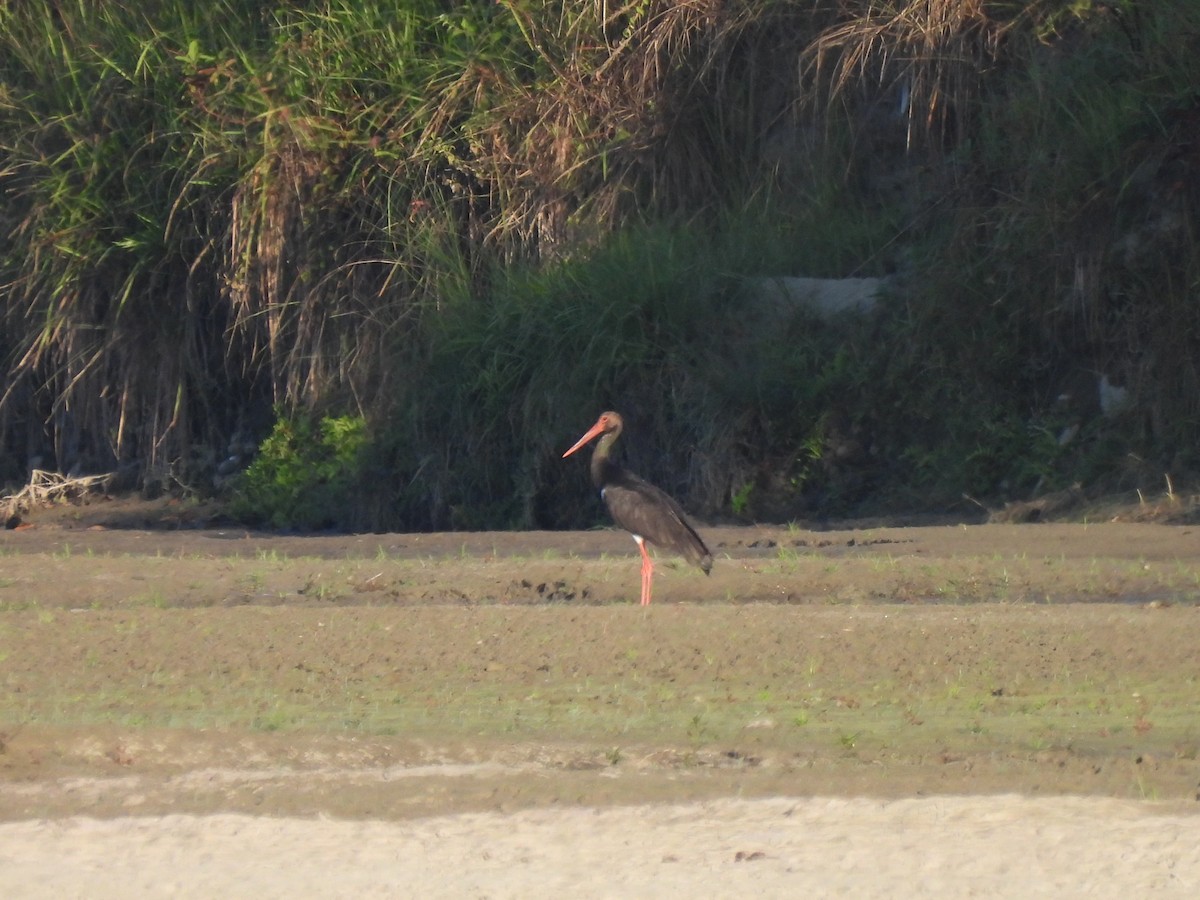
{"x": 883, "y": 661}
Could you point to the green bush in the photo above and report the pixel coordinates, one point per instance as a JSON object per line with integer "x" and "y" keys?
{"x": 306, "y": 474}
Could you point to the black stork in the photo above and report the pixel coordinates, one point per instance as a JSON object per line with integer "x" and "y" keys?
{"x": 638, "y": 506}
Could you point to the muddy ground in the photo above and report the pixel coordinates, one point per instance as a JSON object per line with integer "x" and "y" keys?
{"x": 176, "y": 669}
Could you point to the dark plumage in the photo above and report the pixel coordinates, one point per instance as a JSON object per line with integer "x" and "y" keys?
{"x": 638, "y": 506}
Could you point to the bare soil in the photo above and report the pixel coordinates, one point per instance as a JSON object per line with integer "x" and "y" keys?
{"x": 155, "y": 663}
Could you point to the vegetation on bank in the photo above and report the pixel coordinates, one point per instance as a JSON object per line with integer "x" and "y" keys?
{"x": 458, "y": 231}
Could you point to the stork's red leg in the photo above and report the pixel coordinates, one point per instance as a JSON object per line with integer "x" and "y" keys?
{"x": 647, "y": 570}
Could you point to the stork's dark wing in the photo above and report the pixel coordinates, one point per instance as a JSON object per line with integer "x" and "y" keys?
{"x": 642, "y": 509}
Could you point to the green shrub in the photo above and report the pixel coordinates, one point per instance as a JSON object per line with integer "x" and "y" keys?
{"x": 306, "y": 474}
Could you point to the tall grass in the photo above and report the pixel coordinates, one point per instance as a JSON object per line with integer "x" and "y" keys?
{"x": 476, "y": 225}
{"x": 209, "y": 213}
{"x": 1042, "y": 157}
{"x": 649, "y": 324}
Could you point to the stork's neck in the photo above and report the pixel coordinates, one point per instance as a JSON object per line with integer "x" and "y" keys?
{"x": 602, "y": 464}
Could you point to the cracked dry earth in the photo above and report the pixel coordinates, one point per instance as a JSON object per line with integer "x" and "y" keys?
{"x": 988, "y": 710}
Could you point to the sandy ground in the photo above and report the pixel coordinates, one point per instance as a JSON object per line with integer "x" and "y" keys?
{"x": 1000, "y": 846}
{"x": 871, "y": 712}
